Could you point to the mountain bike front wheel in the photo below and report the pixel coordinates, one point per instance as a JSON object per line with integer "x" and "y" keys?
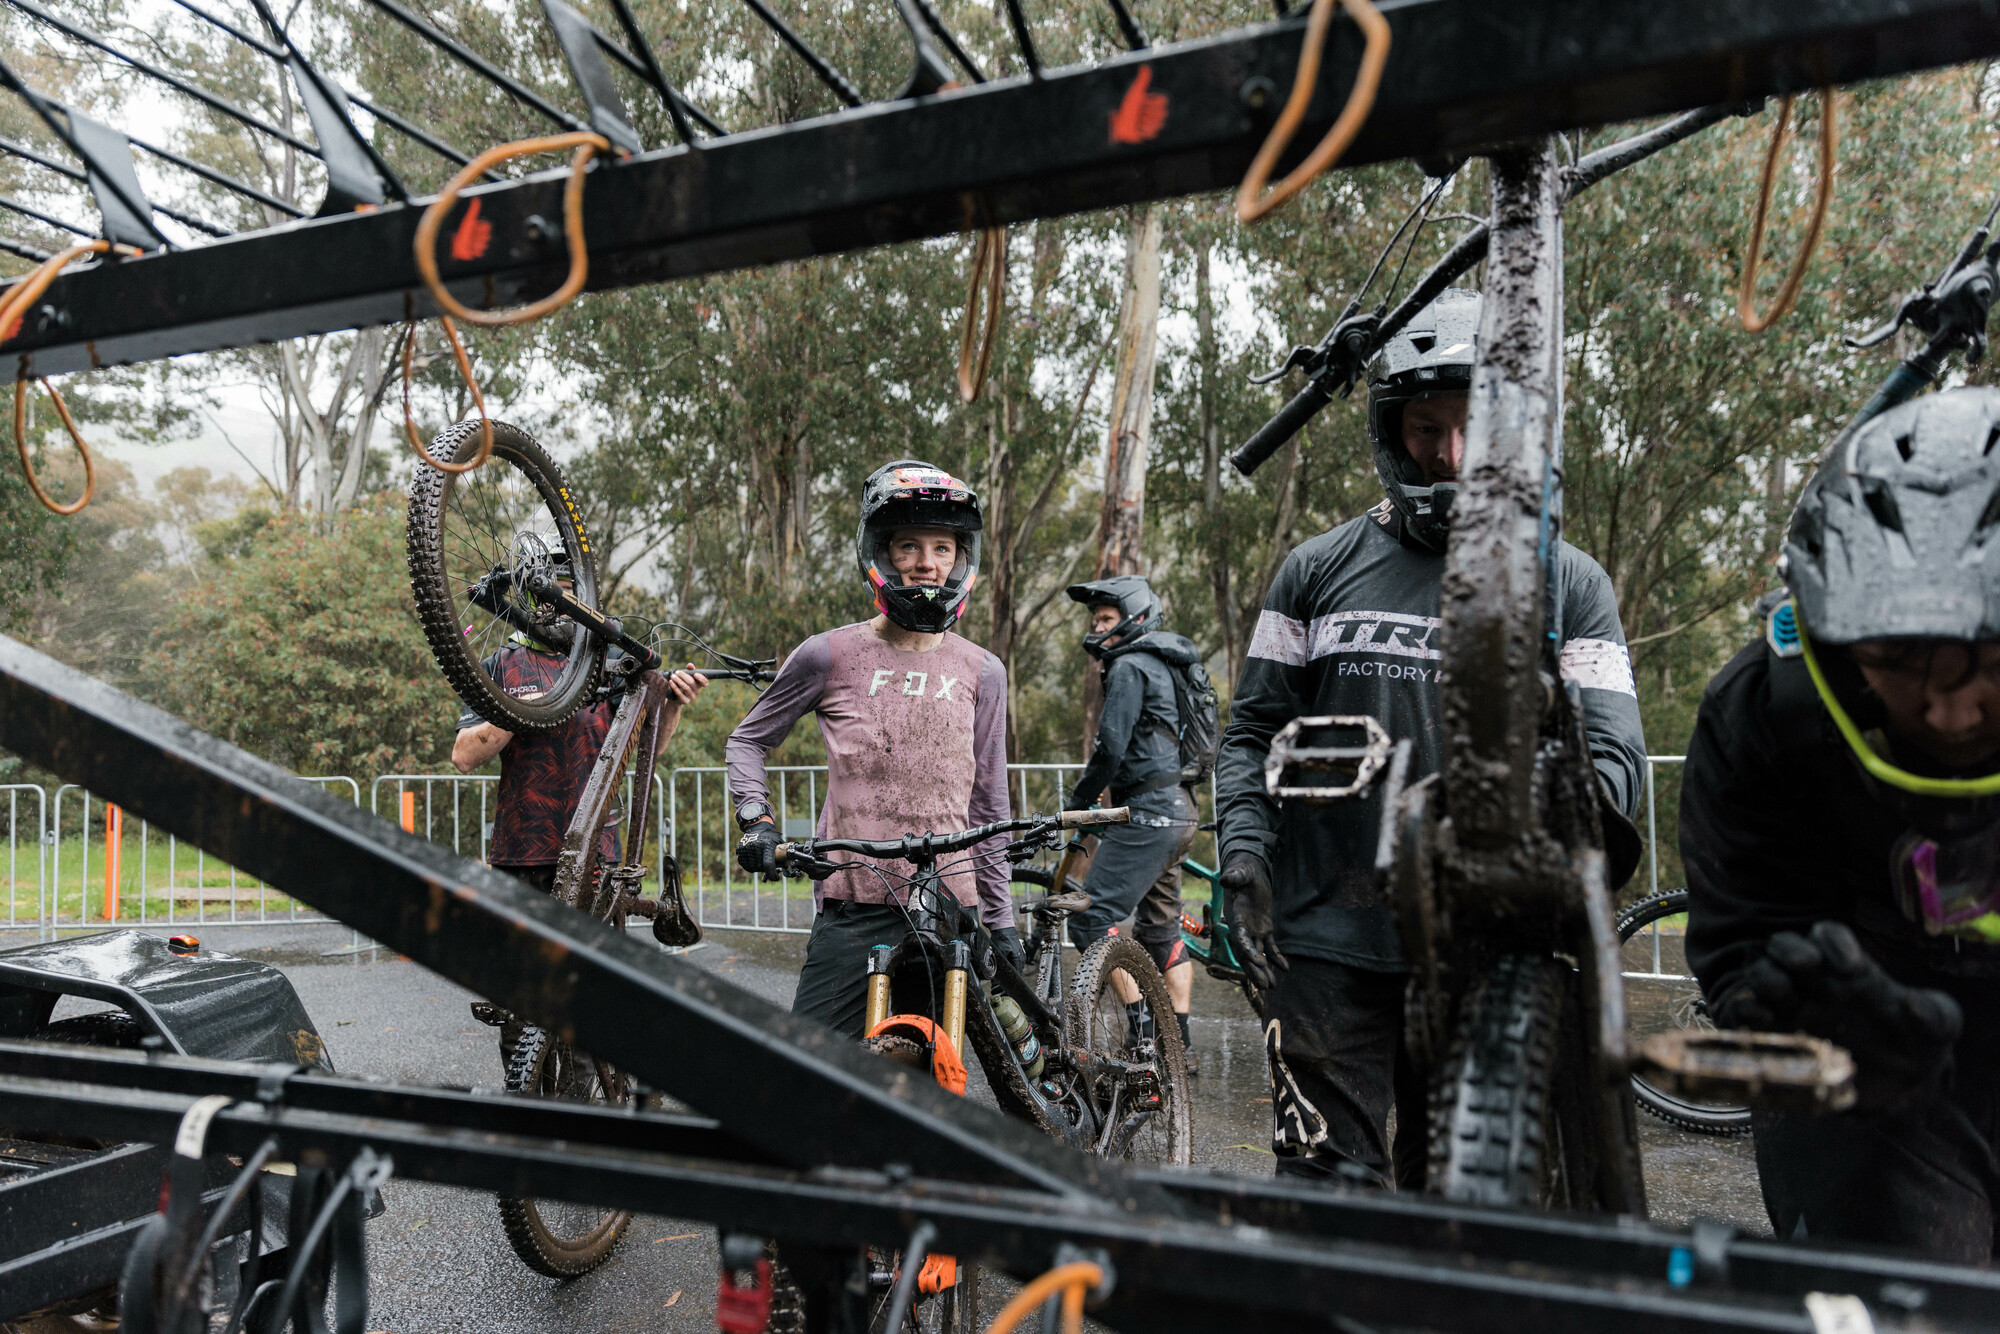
{"x": 1509, "y": 1119}
{"x": 472, "y": 541}
{"x": 1137, "y": 1081}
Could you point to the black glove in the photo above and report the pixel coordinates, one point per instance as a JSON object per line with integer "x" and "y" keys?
{"x": 757, "y": 850}
{"x": 1248, "y": 881}
{"x": 1007, "y": 940}
{"x": 1825, "y": 984}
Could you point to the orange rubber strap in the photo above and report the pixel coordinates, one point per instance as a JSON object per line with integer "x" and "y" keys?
{"x": 946, "y": 1066}
{"x": 21, "y": 445}
{"x": 478, "y": 399}
{"x": 1251, "y": 201}
{"x": 14, "y": 305}
{"x": 975, "y": 345}
{"x": 1788, "y": 291}
{"x": 587, "y": 146}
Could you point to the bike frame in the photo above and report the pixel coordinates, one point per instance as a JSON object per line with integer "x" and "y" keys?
{"x": 1504, "y": 851}
{"x": 953, "y": 948}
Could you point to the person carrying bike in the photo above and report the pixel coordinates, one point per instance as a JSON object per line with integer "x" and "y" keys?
{"x": 1840, "y": 824}
{"x": 1350, "y": 626}
{"x": 542, "y": 774}
{"x": 1137, "y": 755}
{"x": 915, "y": 722}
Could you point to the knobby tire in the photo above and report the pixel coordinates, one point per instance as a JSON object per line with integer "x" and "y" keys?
{"x": 1509, "y": 1113}
{"x": 528, "y": 1230}
{"x": 1172, "y": 1128}
{"x": 432, "y": 552}
{"x": 1695, "y": 1117}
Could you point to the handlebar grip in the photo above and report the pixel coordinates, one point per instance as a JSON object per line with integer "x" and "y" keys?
{"x": 1092, "y": 819}
{"x": 1305, "y": 405}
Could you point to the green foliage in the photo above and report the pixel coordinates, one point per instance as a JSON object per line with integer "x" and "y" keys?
{"x": 306, "y": 649}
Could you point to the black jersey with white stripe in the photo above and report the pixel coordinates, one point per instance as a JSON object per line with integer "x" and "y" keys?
{"x": 1350, "y": 625}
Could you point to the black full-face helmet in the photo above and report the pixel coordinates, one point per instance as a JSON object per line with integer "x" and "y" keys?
{"x": 1897, "y": 537}
{"x": 1138, "y": 606}
{"x": 909, "y": 493}
{"x": 1433, "y": 354}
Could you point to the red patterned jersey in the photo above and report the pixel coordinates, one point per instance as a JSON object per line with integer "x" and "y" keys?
{"x": 542, "y": 774}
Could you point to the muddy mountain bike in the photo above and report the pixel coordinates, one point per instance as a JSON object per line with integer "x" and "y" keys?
{"x": 1066, "y": 1055}
{"x": 496, "y": 554}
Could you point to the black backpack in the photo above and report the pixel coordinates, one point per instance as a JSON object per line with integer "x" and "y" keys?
{"x": 1200, "y": 710}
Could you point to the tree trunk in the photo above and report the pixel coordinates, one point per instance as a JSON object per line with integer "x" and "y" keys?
{"x": 1208, "y": 366}
{"x": 367, "y": 358}
{"x": 1121, "y": 523}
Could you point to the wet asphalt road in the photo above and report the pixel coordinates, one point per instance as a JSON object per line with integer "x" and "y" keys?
{"x": 439, "y": 1261}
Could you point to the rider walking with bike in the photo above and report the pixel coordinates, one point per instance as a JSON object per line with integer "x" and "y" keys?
{"x": 1137, "y": 755}
{"x": 1350, "y": 626}
{"x": 542, "y": 774}
{"x": 915, "y": 722}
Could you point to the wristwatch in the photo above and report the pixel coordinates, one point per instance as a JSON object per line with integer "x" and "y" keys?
{"x": 750, "y": 812}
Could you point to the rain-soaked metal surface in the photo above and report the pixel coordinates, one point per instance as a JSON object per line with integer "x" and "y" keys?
{"x": 1249, "y": 1252}
{"x": 202, "y": 1003}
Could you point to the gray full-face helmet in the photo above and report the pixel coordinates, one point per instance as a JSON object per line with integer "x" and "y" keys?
{"x": 1138, "y": 607}
{"x": 1897, "y": 538}
{"x": 1433, "y": 354}
{"x": 1895, "y": 535}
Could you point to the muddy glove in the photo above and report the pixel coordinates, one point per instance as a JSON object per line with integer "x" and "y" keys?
{"x": 757, "y": 850}
{"x": 1248, "y": 881}
{"x": 1007, "y": 940}
{"x": 1824, "y": 983}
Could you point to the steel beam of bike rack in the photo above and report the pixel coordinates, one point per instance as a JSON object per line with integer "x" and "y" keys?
{"x": 1252, "y": 1253}
{"x": 677, "y": 1028}
{"x": 1462, "y": 74}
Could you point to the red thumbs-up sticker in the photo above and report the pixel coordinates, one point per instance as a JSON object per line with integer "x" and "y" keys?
{"x": 1141, "y": 114}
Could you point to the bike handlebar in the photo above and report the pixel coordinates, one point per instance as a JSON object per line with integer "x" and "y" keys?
{"x": 1272, "y": 435}
{"x": 929, "y": 847}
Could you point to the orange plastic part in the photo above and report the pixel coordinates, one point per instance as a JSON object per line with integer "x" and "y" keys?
{"x": 946, "y": 1066}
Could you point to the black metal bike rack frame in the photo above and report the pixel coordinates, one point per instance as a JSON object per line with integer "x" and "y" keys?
{"x": 1462, "y": 75}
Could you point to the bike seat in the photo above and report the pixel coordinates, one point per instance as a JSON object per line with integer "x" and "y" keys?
{"x": 1070, "y": 900}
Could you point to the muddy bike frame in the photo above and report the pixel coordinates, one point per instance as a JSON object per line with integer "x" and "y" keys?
{"x": 1505, "y": 851}
{"x": 941, "y": 942}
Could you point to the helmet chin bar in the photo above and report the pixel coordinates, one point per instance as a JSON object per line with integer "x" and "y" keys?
{"x": 1876, "y": 766}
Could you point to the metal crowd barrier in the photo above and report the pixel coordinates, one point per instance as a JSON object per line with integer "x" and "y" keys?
{"x": 55, "y": 853}
{"x": 92, "y": 868}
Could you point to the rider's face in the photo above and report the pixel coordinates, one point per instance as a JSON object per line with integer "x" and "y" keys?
{"x": 1434, "y": 434}
{"x": 923, "y": 556}
{"x": 1942, "y": 696}
{"x": 1103, "y": 619}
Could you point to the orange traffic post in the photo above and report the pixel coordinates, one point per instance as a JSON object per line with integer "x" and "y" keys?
{"x": 410, "y": 812}
{"x": 114, "y": 838}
